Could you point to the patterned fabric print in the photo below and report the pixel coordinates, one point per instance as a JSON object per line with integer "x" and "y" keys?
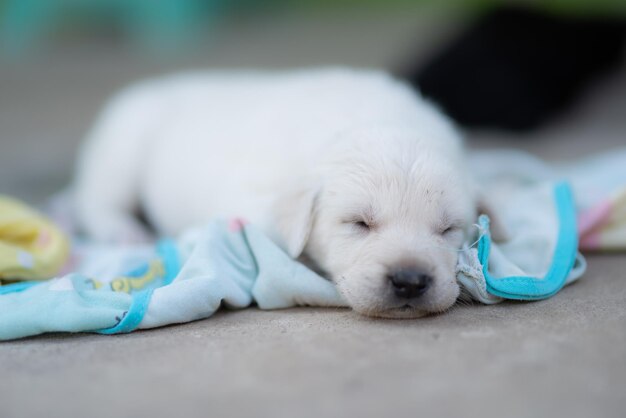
{"x": 135, "y": 280}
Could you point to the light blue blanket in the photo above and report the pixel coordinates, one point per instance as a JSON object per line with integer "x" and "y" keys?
{"x": 118, "y": 290}
{"x": 231, "y": 264}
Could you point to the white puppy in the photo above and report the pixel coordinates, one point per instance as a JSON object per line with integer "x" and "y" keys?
{"x": 350, "y": 169}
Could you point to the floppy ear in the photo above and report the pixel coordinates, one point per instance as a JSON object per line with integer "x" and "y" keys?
{"x": 498, "y": 229}
{"x": 294, "y": 213}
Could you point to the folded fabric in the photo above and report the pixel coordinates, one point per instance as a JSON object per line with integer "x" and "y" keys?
{"x": 542, "y": 214}
{"x": 598, "y": 184}
{"x": 122, "y": 289}
{"x": 540, "y": 255}
{"x": 232, "y": 264}
{"x": 119, "y": 289}
{"x": 31, "y": 247}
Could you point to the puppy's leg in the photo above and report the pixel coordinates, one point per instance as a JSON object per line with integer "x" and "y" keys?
{"x": 107, "y": 186}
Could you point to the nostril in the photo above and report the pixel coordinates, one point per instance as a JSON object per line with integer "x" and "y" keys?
{"x": 409, "y": 283}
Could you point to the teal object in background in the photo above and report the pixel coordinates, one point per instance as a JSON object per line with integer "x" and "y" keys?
{"x": 155, "y": 25}
{"x": 174, "y": 25}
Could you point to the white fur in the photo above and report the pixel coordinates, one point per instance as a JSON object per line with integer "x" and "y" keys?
{"x": 304, "y": 155}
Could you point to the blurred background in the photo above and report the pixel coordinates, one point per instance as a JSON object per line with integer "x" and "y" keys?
{"x": 545, "y": 76}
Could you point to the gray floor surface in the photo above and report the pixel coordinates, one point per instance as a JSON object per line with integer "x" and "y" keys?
{"x": 565, "y": 356}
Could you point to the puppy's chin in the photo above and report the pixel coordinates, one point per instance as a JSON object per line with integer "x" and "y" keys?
{"x": 369, "y": 304}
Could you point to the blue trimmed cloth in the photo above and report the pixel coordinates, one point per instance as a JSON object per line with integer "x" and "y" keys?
{"x": 118, "y": 290}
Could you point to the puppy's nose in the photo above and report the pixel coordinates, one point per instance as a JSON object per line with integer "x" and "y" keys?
{"x": 410, "y": 283}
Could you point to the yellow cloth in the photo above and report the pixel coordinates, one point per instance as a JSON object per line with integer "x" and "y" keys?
{"x": 31, "y": 247}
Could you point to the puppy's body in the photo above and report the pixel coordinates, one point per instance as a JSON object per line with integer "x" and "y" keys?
{"x": 304, "y": 155}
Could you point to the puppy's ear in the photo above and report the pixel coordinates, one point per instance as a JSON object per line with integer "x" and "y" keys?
{"x": 294, "y": 213}
{"x": 498, "y": 229}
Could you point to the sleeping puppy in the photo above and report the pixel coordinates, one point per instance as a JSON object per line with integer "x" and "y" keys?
{"x": 350, "y": 170}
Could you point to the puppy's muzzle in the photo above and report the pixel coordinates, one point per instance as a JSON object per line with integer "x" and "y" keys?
{"x": 409, "y": 283}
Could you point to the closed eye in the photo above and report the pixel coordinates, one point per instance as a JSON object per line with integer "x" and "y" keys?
{"x": 361, "y": 224}
{"x": 450, "y": 229}
{"x": 362, "y": 221}
{"x": 358, "y": 224}
{"x": 449, "y": 224}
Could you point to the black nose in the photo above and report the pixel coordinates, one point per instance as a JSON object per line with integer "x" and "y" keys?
{"x": 410, "y": 283}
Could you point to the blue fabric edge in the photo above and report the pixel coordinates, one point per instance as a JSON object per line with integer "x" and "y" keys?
{"x": 533, "y": 288}
{"x": 167, "y": 250}
{"x": 133, "y": 316}
{"x": 19, "y": 286}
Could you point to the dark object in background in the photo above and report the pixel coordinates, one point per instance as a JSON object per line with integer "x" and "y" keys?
{"x": 515, "y": 68}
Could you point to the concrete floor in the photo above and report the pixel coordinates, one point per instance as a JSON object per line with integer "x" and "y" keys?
{"x": 565, "y": 356}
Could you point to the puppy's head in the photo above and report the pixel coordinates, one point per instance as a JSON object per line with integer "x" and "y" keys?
{"x": 384, "y": 218}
